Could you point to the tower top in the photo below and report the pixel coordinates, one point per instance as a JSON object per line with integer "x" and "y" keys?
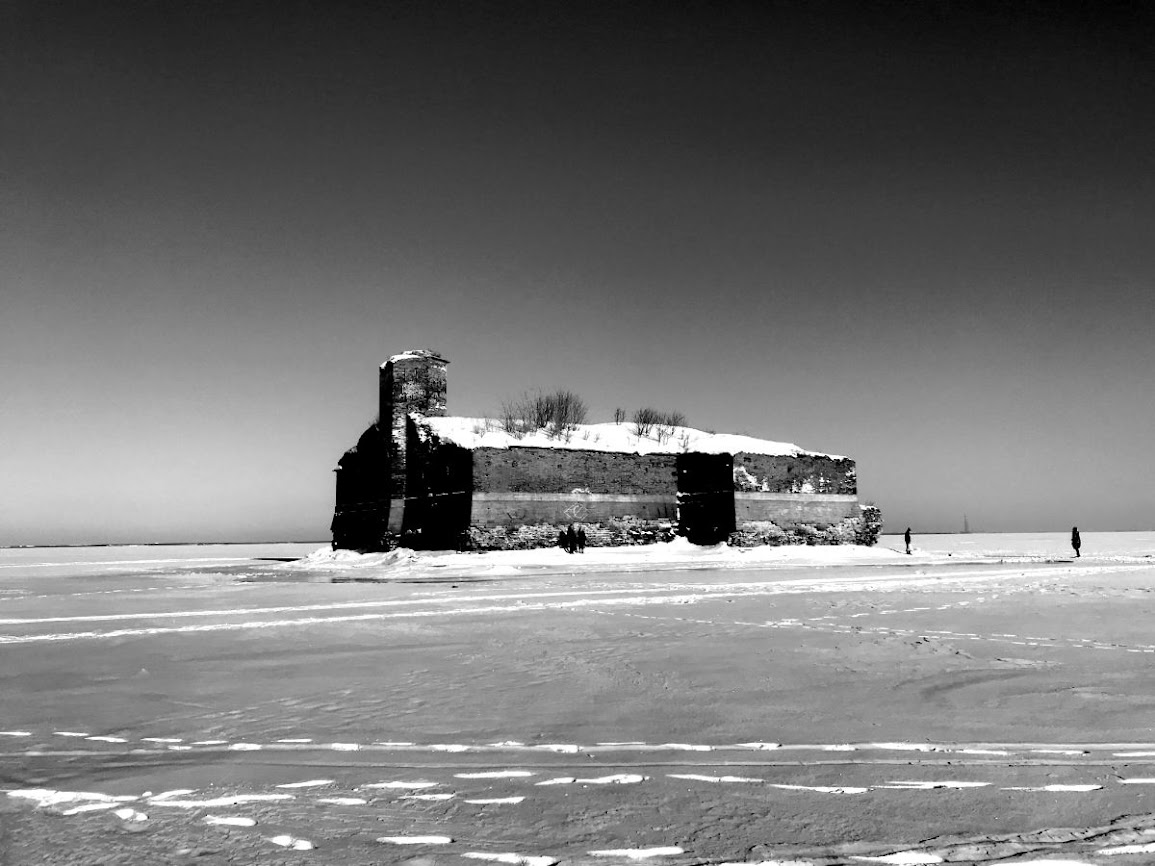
{"x": 416, "y": 355}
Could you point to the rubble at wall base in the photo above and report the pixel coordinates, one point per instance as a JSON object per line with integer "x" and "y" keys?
{"x": 616, "y": 532}
{"x": 863, "y": 530}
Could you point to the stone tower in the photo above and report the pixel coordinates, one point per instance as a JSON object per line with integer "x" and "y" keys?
{"x": 413, "y": 381}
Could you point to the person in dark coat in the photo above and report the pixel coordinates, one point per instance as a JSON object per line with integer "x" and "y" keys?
{"x": 1076, "y": 541}
{"x": 563, "y": 541}
{"x": 906, "y": 537}
{"x": 581, "y": 539}
{"x": 571, "y": 539}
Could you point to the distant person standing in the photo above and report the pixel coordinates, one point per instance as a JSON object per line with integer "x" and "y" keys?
{"x": 571, "y": 540}
{"x": 581, "y": 539}
{"x": 906, "y": 538}
{"x": 1076, "y": 541}
{"x": 563, "y": 541}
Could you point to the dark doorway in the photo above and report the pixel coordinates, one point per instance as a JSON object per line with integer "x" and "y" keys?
{"x": 705, "y": 497}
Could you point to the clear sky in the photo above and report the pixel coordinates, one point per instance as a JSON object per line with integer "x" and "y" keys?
{"x": 921, "y": 234}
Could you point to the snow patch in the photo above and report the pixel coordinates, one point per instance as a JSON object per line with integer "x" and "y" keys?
{"x": 823, "y": 789}
{"x": 404, "y": 785}
{"x": 495, "y": 800}
{"x": 999, "y": 752}
{"x": 929, "y": 786}
{"x": 169, "y": 795}
{"x": 1058, "y": 788}
{"x": 293, "y": 842}
{"x": 515, "y": 859}
{"x": 233, "y": 800}
{"x": 229, "y": 821}
{"x": 496, "y": 774}
{"x": 89, "y": 807}
{"x": 48, "y": 797}
{"x": 309, "y": 783}
{"x": 415, "y": 840}
{"x": 639, "y": 853}
{"x": 605, "y": 436}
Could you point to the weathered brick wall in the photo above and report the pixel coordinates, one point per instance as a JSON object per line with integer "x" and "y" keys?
{"x": 805, "y": 473}
{"x": 491, "y": 498}
{"x": 514, "y": 509}
{"x": 616, "y": 532}
{"x": 437, "y": 491}
{"x": 402, "y": 483}
{"x": 550, "y": 470}
{"x": 862, "y": 525}
{"x": 522, "y": 497}
{"x": 789, "y": 510}
{"x": 413, "y": 384}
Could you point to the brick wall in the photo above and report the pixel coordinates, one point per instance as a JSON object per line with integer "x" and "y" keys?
{"x": 412, "y": 384}
{"x": 805, "y": 473}
{"x": 515, "y": 509}
{"x": 789, "y": 510}
{"x": 550, "y": 470}
{"x": 490, "y": 498}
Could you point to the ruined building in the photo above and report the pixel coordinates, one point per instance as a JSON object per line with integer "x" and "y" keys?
{"x": 420, "y": 478}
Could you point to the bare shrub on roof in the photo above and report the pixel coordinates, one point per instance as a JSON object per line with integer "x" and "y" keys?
{"x": 510, "y": 418}
{"x": 558, "y": 413}
{"x": 660, "y": 424}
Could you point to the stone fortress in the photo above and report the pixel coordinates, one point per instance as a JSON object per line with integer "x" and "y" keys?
{"x": 419, "y": 478}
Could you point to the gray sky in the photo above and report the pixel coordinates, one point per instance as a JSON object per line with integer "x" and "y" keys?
{"x": 920, "y": 234}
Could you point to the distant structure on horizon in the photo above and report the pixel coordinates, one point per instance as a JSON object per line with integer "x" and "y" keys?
{"x": 419, "y": 478}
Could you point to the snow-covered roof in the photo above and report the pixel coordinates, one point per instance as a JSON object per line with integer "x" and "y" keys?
{"x": 413, "y": 355}
{"x": 607, "y": 436}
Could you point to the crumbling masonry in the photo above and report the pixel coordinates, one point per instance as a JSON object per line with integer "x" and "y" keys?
{"x": 413, "y": 480}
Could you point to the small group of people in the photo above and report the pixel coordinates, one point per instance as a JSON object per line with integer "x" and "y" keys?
{"x": 572, "y": 539}
{"x": 1076, "y": 540}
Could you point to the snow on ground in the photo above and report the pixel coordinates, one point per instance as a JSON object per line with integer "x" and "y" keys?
{"x": 929, "y": 550}
{"x": 1098, "y": 546}
{"x": 677, "y": 554}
